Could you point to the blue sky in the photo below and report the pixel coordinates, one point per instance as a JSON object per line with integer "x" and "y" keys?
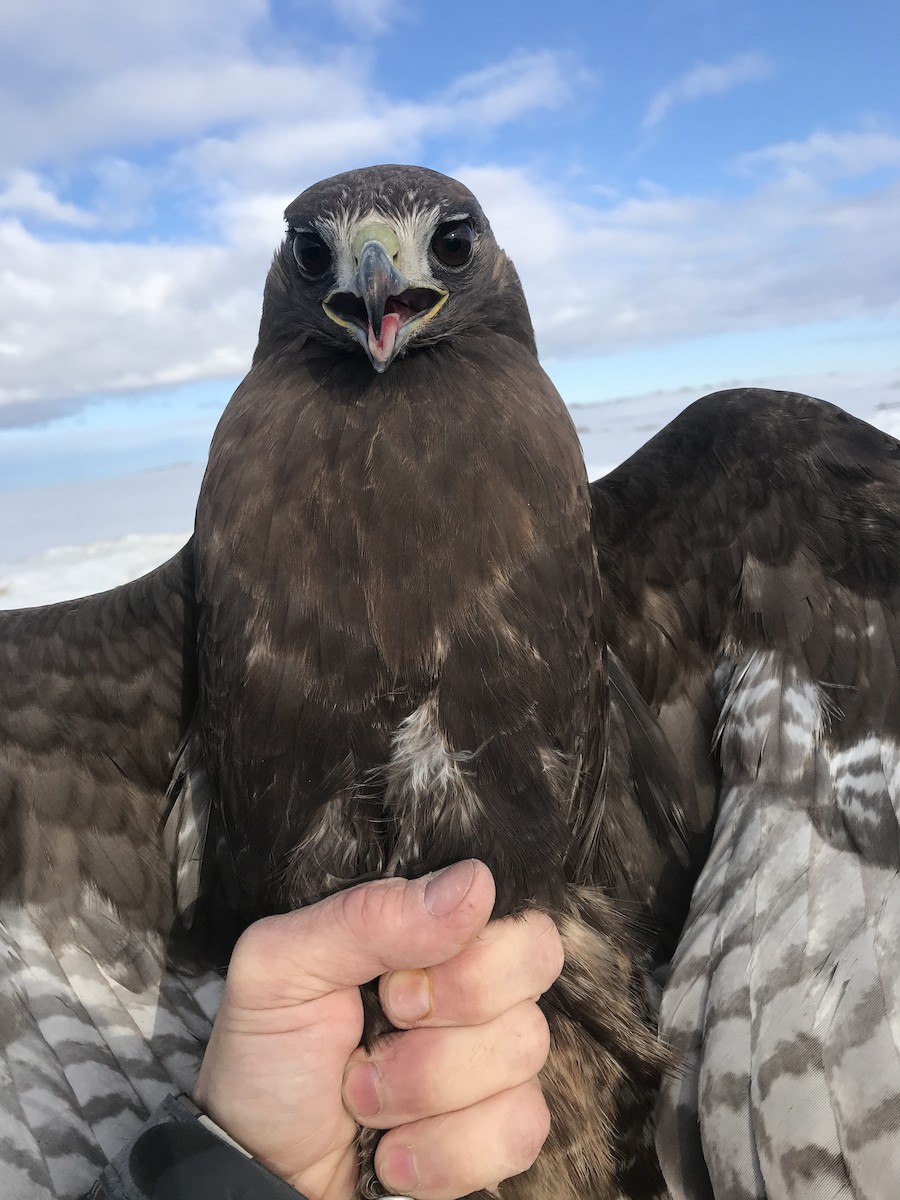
{"x": 694, "y": 191}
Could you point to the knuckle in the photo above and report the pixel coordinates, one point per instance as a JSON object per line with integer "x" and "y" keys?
{"x": 255, "y": 950}
{"x": 527, "y": 1129}
{"x": 550, "y": 955}
{"x": 371, "y": 906}
{"x": 478, "y": 1007}
{"x": 405, "y": 1063}
{"x": 473, "y": 987}
{"x": 535, "y": 1037}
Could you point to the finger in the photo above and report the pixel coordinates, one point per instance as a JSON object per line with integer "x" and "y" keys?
{"x": 425, "y": 1072}
{"x": 450, "y": 1156}
{"x": 512, "y": 960}
{"x": 358, "y": 934}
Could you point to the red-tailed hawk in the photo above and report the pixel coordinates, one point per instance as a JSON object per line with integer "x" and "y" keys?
{"x": 407, "y": 631}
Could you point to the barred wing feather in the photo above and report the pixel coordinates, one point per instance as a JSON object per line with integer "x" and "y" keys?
{"x": 754, "y": 551}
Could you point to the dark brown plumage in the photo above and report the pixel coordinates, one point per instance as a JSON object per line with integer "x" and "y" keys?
{"x": 390, "y": 645}
{"x": 399, "y": 564}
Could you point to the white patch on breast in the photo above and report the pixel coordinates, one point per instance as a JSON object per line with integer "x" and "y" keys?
{"x": 428, "y": 788}
{"x": 420, "y": 758}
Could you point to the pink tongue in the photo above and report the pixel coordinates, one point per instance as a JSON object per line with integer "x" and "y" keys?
{"x": 382, "y": 348}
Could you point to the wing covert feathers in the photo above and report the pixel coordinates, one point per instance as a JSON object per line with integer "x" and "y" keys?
{"x": 95, "y": 697}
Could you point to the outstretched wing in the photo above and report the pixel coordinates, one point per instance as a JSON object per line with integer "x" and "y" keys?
{"x": 96, "y": 1027}
{"x": 95, "y": 698}
{"x": 751, "y": 557}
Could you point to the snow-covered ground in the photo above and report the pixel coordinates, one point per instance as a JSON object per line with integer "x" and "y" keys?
{"x": 75, "y": 539}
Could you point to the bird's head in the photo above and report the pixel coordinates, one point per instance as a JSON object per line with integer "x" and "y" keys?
{"x": 389, "y": 258}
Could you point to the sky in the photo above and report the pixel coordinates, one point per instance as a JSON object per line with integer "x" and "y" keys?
{"x": 695, "y": 192}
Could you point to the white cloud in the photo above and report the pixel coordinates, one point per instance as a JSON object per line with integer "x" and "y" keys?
{"x": 830, "y": 155}
{"x": 202, "y": 109}
{"x": 52, "y": 42}
{"x": 102, "y": 78}
{"x": 149, "y": 103}
{"x": 506, "y": 90}
{"x": 338, "y": 122}
{"x": 25, "y": 194}
{"x": 80, "y": 317}
{"x": 366, "y": 16}
{"x": 653, "y": 268}
{"x": 101, "y": 75}
{"x": 707, "y": 79}
{"x": 84, "y": 316}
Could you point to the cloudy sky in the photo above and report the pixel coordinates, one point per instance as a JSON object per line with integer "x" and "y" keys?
{"x": 694, "y": 191}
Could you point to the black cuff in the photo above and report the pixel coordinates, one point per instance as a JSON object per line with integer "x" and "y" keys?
{"x": 183, "y": 1160}
{"x": 175, "y": 1157}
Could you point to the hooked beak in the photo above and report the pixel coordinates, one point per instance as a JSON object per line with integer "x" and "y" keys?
{"x": 383, "y": 309}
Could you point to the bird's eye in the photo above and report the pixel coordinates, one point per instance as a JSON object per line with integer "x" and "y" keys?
{"x": 452, "y": 244}
{"x": 312, "y": 255}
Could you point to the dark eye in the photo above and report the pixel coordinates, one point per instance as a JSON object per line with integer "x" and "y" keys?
{"x": 312, "y": 255}
{"x": 452, "y": 244}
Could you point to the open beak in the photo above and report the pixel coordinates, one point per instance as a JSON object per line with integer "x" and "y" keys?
{"x": 383, "y": 309}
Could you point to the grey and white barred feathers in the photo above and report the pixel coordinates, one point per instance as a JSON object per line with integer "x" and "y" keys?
{"x": 407, "y": 630}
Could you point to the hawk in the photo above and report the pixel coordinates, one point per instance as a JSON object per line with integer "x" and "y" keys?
{"x": 406, "y": 631}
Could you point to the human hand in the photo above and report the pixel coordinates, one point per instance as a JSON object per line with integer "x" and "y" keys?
{"x": 457, "y": 1089}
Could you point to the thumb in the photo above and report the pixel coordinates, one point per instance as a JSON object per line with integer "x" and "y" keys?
{"x": 359, "y": 934}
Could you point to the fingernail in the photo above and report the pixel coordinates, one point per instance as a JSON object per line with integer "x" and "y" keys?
{"x": 398, "y": 1170}
{"x": 361, "y": 1089}
{"x": 406, "y": 996}
{"x": 445, "y": 889}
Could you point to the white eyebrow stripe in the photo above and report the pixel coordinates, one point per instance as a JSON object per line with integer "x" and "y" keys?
{"x": 414, "y": 228}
